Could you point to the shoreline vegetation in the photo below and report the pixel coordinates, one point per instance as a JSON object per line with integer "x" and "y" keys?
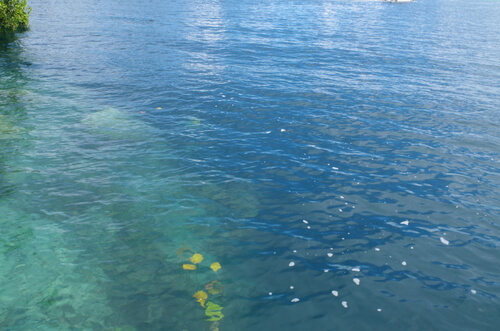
{"x": 14, "y": 15}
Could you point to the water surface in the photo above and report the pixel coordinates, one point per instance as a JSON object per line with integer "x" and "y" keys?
{"x": 339, "y": 159}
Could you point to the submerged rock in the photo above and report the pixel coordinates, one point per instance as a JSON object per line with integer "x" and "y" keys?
{"x": 116, "y": 124}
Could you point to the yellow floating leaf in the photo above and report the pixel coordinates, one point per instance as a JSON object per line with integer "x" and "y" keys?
{"x": 196, "y": 258}
{"x": 213, "y": 311}
{"x": 215, "y": 266}
{"x": 188, "y": 267}
{"x": 201, "y": 297}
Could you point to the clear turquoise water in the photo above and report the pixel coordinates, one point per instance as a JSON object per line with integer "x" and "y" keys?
{"x": 304, "y": 145}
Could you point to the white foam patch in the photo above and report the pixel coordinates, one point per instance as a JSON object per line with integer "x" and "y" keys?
{"x": 356, "y": 281}
{"x": 405, "y": 222}
{"x": 344, "y": 303}
{"x": 403, "y": 263}
{"x": 377, "y": 249}
{"x": 330, "y": 254}
{"x": 356, "y": 269}
{"x": 473, "y": 291}
{"x": 270, "y": 293}
{"x": 291, "y": 264}
{"x": 335, "y": 293}
{"x": 379, "y": 309}
{"x": 306, "y": 222}
{"x": 295, "y": 300}
{"x": 444, "y": 241}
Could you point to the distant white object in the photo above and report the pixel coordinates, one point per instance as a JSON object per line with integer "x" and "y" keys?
{"x": 444, "y": 241}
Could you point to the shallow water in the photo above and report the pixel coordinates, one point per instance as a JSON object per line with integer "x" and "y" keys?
{"x": 339, "y": 159}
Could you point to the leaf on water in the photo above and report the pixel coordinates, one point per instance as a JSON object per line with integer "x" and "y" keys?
{"x": 181, "y": 251}
{"x": 201, "y": 297}
{"x": 213, "y": 311}
{"x": 214, "y": 287}
{"x": 196, "y": 258}
{"x": 215, "y": 266}
{"x": 188, "y": 267}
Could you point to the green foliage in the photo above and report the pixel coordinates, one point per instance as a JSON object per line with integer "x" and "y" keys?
{"x": 14, "y": 15}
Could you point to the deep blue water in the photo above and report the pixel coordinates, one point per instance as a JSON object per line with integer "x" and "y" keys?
{"x": 339, "y": 159}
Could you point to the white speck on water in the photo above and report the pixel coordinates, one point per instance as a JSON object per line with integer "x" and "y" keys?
{"x": 356, "y": 281}
{"x": 295, "y": 251}
{"x": 403, "y": 263}
{"x": 330, "y": 254}
{"x": 291, "y": 287}
{"x": 308, "y": 227}
{"x": 291, "y": 264}
{"x": 295, "y": 300}
{"x": 270, "y": 293}
{"x": 405, "y": 222}
{"x": 473, "y": 291}
{"x": 356, "y": 269}
{"x": 444, "y": 241}
{"x": 411, "y": 247}
{"x": 378, "y": 309}
{"x": 342, "y": 197}
{"x": 344, "y": 303}
{"x": 335, "y": 293}
{"x": 377, "y": 249}
{"x": 267, "y": 132}
{"x": 340, "y": 210}
{"x": 282, "y": 130}
{"x": 326, "y": 270}
{"x": 305, "y": 221}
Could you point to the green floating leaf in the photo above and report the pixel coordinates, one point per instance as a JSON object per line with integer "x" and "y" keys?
{"x": 213, "y": 311}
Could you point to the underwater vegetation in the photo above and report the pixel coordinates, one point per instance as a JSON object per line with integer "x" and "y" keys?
{"x": 7, "y": 129}
{"x": 211, "y": 291}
